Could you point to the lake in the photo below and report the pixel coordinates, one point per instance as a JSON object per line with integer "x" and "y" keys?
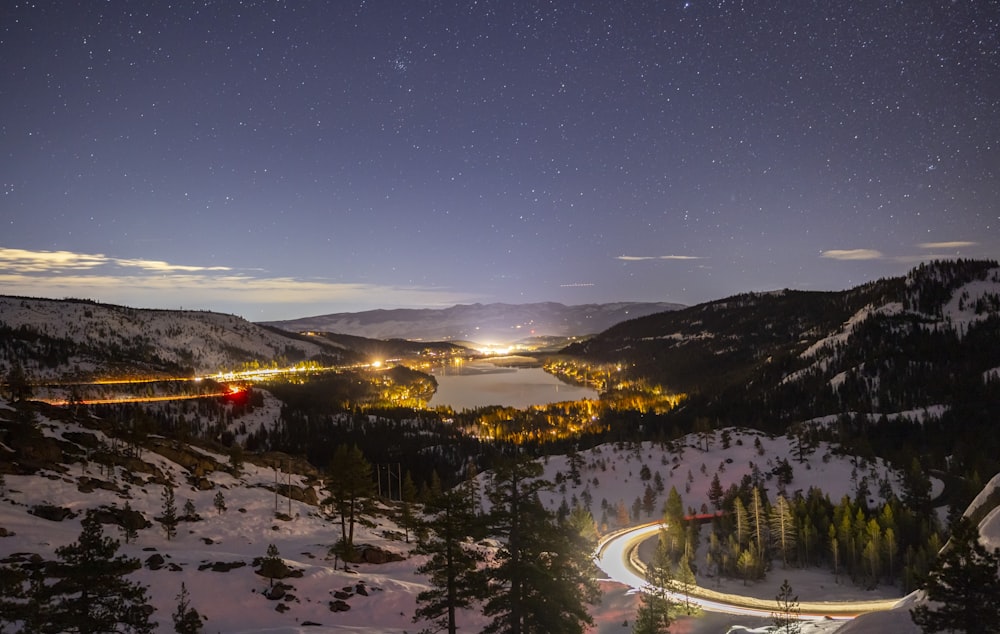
{"x": 478, "y": 384}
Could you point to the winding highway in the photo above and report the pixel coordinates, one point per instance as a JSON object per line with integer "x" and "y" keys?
{"x": 617, "y": 556}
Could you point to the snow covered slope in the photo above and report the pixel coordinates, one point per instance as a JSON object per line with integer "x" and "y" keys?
{"x": 53, "y": 337}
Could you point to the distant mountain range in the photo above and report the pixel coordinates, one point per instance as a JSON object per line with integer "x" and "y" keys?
{"x": 485, "y": 323}
{"x": 72, "y": 337}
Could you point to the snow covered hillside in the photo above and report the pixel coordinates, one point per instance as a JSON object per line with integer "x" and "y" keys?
{"x": 76, "y": 336}
{"x": 214, "y": 555}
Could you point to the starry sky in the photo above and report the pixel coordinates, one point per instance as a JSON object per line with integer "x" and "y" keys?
{"x": 284, "y": 159}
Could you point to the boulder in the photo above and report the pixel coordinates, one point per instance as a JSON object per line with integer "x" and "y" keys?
{"x": 51, "y": 513}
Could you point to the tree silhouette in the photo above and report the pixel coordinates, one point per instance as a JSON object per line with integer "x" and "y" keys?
{"x": 186, "y": 619}
{"x": 963, "y": 587}
{"x": 220, "y": 502}
{"x": 169, "y": 517}
{"x": 786, "y": 618}
{"x": 351, "y": 487}
{"x": 453, "y": 560}
{"x": 541, "y": 578}
{"x": 656, "y": 608}
{"x": 93, "y": 594}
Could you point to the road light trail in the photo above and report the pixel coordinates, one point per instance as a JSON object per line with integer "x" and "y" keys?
{"x": 115, "y": 400}
{"x": 616, "y": 556}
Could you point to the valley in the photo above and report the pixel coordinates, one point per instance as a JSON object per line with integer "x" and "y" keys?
{"x": 831, "y": 439}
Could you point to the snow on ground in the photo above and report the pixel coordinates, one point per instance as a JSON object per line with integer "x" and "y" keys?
{"x": 960, "y": 311}
{"x": 233, "y": 601}
{"x": 205, "y": 341}
{"x": 845, "y": 331}
{"x": 613, "y": 473}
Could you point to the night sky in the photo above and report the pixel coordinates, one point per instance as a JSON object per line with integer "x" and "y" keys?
{"x": 284, "y": 159}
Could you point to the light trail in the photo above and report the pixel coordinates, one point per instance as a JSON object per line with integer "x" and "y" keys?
{"x": 134, "y": 399}
{"x": 616, "y": 555}
{"x": 225, "y": 378}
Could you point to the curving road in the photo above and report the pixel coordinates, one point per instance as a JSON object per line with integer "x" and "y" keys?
{"x": 616, "y": 556}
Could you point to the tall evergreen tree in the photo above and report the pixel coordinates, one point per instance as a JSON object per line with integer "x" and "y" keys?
{"x": 349, "y": 481}
{"x": 541, "y": 578}
{"x": 169, "y": 518}
{"x": 93, "y": 593}
{"x": 715, "y": 492}
{"x": 685, "y": 581}
{"x": 656, "y": 606}
{"x": 963, "y": 587}
{"x": 783, "y": 527}
{"x": 758, "y": 522}
{"x": 675, "y": 533}
{"x": 453, "y": 561}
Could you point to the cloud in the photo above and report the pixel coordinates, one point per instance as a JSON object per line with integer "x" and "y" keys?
{"x": 851, "y": 254}
{"x": 158, "y": 284}
{"x": 25, "y": 261}
{"x": 957, "y": 244}
{"x": 165, "y": 267}
{"x": 639, "y": 258}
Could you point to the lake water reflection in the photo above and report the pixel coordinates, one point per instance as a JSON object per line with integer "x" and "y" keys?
{"x": 478, "y": 384}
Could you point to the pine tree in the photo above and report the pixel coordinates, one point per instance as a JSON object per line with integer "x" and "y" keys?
{"x": 12, "y": 595}
{"x": 130, "y": 529}
{"x": 715, "y": 492}
{"x": 673, "y": 516}
{"x": 786, "y": 618}
{"x": 582, "y": 522}
{"x": 742, "y": 519}
{"x": 272, "y": 565}
{"x": 186, "y": 619}
{"x": 963, "y": 587}
{"x": 542, "y": 577}
{"x": 169, "y": 517}
{"x": 758, "y": 521}
{"x": 873, "y": 549}
{"x": 453, "y": 561}
{"x": 190, "y": 511}
{"x": 656, "y": 605}
{"x": 783, "y": 527}
{"x": 352, "y": 489}
{"x": 93, "y": 594}
{"x": 685, "y": 581}
{"x": 747, "y": 563}
{"x": 407, "y": 497}
{"x": 219, "y": 501}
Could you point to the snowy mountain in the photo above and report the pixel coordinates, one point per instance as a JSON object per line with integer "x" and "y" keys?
{"x": 912, "y": 358}
{"x": 57, "y": 338}
{"x": 487, "y": 323}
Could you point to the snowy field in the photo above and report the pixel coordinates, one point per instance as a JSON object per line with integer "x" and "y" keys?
{"x": 234, "y": 601}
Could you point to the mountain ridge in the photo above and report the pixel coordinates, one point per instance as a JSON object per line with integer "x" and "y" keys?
{"x": 494, "y": 322}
